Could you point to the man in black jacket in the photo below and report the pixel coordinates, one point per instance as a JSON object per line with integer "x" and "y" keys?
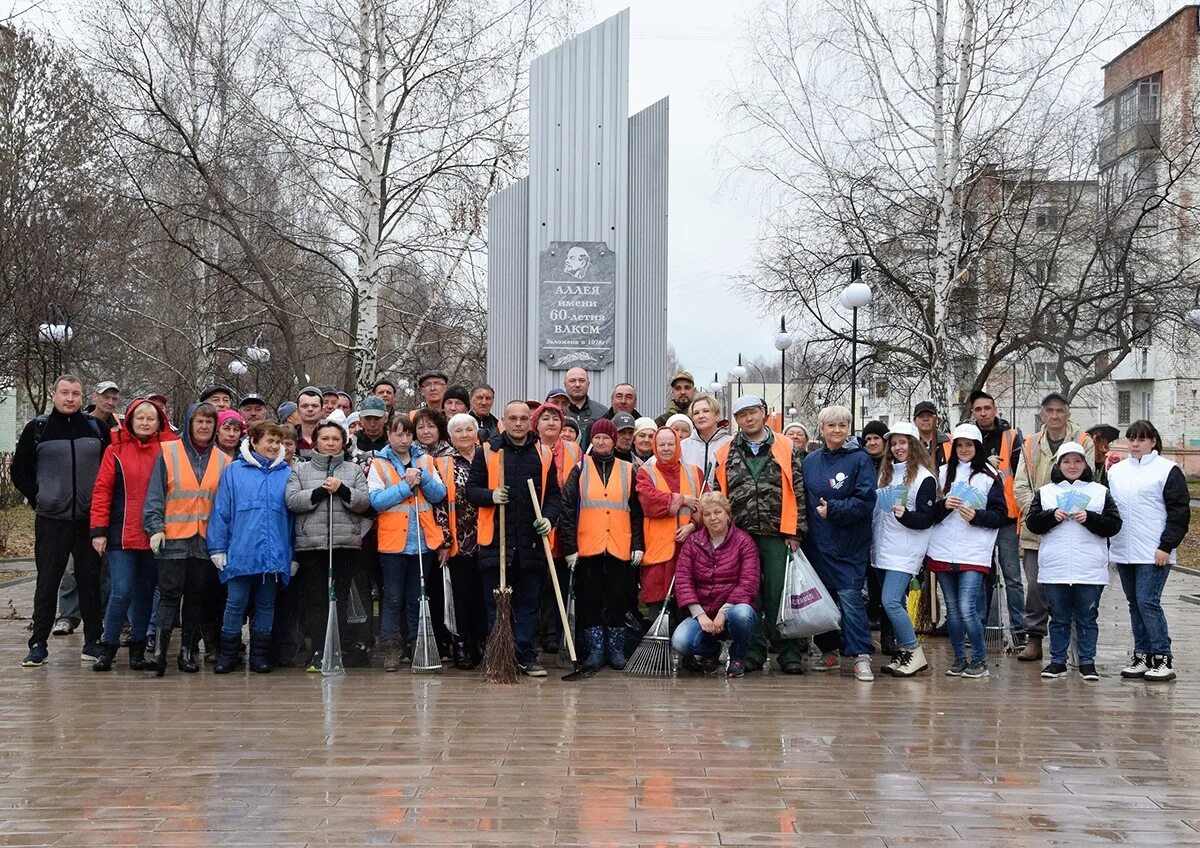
{"x": 523, "y": 459}
{"x": 54, "y": 467}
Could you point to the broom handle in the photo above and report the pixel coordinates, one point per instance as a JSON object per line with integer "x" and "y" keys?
{"x": 503, "y": 533}
{"x": 562, "y": 609}
{"x": 416, "y": 520}
{"x": 330, "y": 541}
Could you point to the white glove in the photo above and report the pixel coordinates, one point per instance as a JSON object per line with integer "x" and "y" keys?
{"x": 295, "y": 567}
{"x": 500, "y": 495}
{"x": 571, "y": 560}
{"x": 218, "y": 560}
{"x": 636, "y": 558}
{"x": 157, "y": 541}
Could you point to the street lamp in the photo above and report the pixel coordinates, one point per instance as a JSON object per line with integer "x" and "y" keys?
{"x": 739, "y": 373}
{"x": 853, "y": 297}
{"x": 715, "y": 385}
{"x": 260, "y": 356}
{"x": 237, "y": 368}
{"x": 57, "y": 336}
{"x": 783, "y": 341}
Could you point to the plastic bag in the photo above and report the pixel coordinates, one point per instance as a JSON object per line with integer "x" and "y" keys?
{"x": 448, "y": 615}
{"x": 805, "y": 607}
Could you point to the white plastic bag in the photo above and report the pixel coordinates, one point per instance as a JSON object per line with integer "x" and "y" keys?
{"x": 805, "y": 607}
{"x": 448, "y": 614}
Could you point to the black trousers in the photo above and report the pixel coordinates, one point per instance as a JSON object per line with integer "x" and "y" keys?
{"x": 367, "y": 575}
{"x": 470, "y": 608}
{"x": 192, "y": 584}
{"x": 289, "y": 609}
{"x": 314, "y": 565}
{"x": 602, "y": 596}
{"x": 56, "y": 541}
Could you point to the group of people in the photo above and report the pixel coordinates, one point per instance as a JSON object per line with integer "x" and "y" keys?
{"x": 232, "y": 519}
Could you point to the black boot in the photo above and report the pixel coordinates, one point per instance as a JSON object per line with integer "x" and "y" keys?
{"x": 137, "y": 656}
{"x": 593, "y": 637}
{"x": 212, "y": 642}
{"x": 186, "y": 661}
{"x": 104, "y": 662}
{"x": 260, "y": 647}
{"x": 227, "y": 661}
{"x": 162, "y": 645}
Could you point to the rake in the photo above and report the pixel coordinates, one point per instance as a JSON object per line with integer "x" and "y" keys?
{"x": 653, "y": 655}
{"x": 426, "y": 656}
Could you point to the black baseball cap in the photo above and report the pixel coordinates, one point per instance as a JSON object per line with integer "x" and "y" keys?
{"x": 1055, "y": 396}
{"x": 924, "y": 406}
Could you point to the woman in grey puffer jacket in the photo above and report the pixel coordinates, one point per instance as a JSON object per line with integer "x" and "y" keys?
{"x": 328, "y": 485}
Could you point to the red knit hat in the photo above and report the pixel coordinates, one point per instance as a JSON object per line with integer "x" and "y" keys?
{"x": 604, "y": 427}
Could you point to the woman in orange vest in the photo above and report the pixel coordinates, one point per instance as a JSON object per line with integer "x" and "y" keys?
{"x": 175, "y": 516}
{"x": 600, "y": 531}
{"x": 548, "y": 420}
{"x": 469, "y": 610}
{"x": 403, "y": 481}
{"x": 669, "y": 491}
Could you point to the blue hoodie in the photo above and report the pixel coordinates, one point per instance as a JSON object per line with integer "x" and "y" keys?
{"x": 384, "y": 498}
{"x": 839, "y": 547}
{"x": 250, "y": 521}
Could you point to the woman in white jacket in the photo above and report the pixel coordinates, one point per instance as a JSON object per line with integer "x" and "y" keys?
{"x": 901, "y": 536}
{"x": 1152, "y": 495}
{"x": 1075, "y": 516}
{"x": 960, "y": 546}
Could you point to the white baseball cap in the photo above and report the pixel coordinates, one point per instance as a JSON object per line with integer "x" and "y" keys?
{"x": 1069, "y": 447}
{"x": 747, "y": 402}
{"x": 903, "y": 428}
{"x": 967, "y": 431}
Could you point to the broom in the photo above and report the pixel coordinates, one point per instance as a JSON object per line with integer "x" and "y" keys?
{"x": 331, "y": 654}
{"x": 579, "y": 673}
{"x": 564, "y": 657}
{"x": 500, "y": 651}
{"x": 652, "y": 658}
{"x": 426, "y": 656}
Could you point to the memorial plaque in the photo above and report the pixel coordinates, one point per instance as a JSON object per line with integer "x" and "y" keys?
{"x": 577, "y": 305}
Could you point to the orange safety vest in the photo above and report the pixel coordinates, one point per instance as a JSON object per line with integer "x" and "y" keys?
{"x": 781, "y": 450}
{"x": 660, "y": 532}
{"x": 604, "y": 517}
{"x": 445, "y": 467}
{"x": 393, "y": 523}
{"x": 487, "y": 522}
{"x": 188, "y": 502}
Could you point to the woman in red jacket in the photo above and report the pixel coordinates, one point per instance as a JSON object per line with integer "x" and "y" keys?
{"x": 716, "y": 581}
{"x": 116, "y": 523}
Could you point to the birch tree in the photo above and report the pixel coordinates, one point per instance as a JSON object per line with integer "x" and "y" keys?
{"x": 875, "y": 126}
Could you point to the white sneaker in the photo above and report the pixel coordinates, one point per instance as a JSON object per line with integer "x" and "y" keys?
{"x": 891, "y": 667}
{"x": 1160, "y": 670}
{"x": 911, "y": 662}
{"x": 1137, "y": 667}
{"x": 63, "y": 627}
{"x": 862, "y": 668}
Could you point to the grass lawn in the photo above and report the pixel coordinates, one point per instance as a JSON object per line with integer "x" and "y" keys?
{"x": 1194, "y": 487}
{"x": 16, "y": 532}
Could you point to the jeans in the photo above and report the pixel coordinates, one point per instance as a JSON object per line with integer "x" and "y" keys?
{"x": 132, "y": 575}
{"x": 1008, "y": 555}
{"x": 263, "y": 588}
{"x": 741, "y": 623}
{"x": 895, "y": 606}
{"x": 960, "y": 589}
{"x": 1080, "y": 603}
{"x": 1143, "y": 584}
{"x": 401, "y": 591}
{"x": 1036, "y": 611}
{"x": 856, "y": 630}
{"x": 526, "y": 585}
{"x": 54, "y": 541}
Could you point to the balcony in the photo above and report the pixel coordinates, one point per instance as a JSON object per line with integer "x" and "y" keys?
{"x": 1140, "y": 364}
{"x": 1142, "y": 135}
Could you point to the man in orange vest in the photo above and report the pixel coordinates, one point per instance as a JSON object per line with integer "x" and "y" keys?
{"x": 601, "y": 534}
{"x": 759, "y": 471}
{"x": 175, "y": 516}
{"x": 1002, "y": 445}
{"x": 522, "y": 458}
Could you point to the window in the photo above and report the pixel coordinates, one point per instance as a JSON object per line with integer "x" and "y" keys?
{"x": 1046, "y": 218}
{"x": 881, "y": 388}
{"x": 1043, "y": 273}
{"x": 962, "y": 369}
{"x": 1146, "y": 406}
{"x": 1141, "y": 323}
{"x": 1138, "y": 103}
{"x": 1123, "y": 401}
{"x": 1044, "y": 373}
{"x": 1149, "y": 90}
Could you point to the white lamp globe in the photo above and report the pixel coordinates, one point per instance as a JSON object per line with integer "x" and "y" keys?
{"x": 855, "y": 296}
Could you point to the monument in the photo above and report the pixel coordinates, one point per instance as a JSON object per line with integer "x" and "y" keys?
{"x": 577, "y": 251}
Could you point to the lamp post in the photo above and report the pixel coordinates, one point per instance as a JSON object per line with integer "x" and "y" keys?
{"x": 715, "y": 386}
{"x": 57, "y": 336}
{"x": 783, "y": 341}
{"x": 260, "y": 356}
{"x": 739, "y": 373}
{"x": 853, "y": 297}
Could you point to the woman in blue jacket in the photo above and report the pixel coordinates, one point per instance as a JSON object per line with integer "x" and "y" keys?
{"x": 839, "y": 493}
{"x": 250, "y": 543}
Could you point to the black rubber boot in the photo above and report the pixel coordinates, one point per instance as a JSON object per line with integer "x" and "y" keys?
{"x": 104, "y": 662}
{"x": 137, "y": 656}
{"x": 228, "y": 658}
{"x": 260, "y": 652}
{"x": 186, "y": 661}
{"x": 212, "y": 643}
{"x": 162, "y": 645}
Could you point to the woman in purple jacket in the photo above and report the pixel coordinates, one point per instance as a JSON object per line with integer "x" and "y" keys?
{"x": 716, "y": 580}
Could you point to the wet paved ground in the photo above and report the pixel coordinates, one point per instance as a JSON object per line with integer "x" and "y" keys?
{"x": 823, "y": 761}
